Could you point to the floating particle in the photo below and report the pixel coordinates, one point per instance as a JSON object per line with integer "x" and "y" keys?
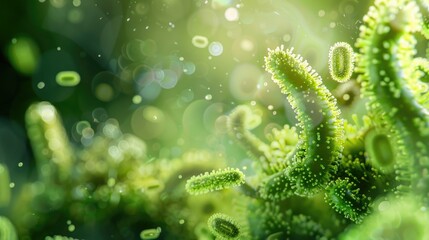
{"x": 137, "y": 99}
{"x": 231, "y": 14}
{"x": 152, "y": 233}
{"x": 40, "y": 85}
{"x": 189, "y": 68}
{"x": 67, "y": 78}
{"x": 215, "y": 48}
{"x": 76, "y": 3}
{"x": 200, "y": 41}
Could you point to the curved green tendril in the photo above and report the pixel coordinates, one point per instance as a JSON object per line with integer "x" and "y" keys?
{"x": 386, "y": 46}
{"x": 239, "y": 123}
{"x": 321, "y": 137}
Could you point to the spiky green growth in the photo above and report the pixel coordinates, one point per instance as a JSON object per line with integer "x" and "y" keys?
{"x": 223, "y": 226}
{"x": 49, "y": 141}
{"x": 4, "y": 186}
{"x": 341, "y": 61}
{"x": 424, "y": 8}
{"x": 283, "y": 221}
{"x": 394, "y": 218}
{"x": 7, "y": 230}
{"x": 322, "y": 129}
{"x": 346, "y": 198}
{"x": 386, "y": 46}
{"x": 239, "y": 122}
{"x": 215, "y": 180}
{"x": 282, "y": 143}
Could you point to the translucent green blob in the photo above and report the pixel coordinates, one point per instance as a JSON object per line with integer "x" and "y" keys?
{"x": 67, "y": 78}
{"x": 380, "y": 150}
{"x": 23, "y": 55}
{"x": 152, "y": 233}
{"x": 4, "y": 186}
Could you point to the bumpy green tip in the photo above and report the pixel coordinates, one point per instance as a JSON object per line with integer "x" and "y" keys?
{"x": 322, "y": 130}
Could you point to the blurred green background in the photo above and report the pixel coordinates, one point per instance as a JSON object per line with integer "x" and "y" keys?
{"x": 167, "y": 70}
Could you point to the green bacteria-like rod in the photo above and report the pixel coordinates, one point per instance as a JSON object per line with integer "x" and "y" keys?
{"x": 387, "y": 46}
{"x": 215, "y": 180}
{"x": 321, "y": 136}
{"x": 341, "y": 61}
{"x": 49, "y": 141}
{"x": 223, "y": 226}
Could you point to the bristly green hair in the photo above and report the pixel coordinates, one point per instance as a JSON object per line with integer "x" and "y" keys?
{"x": 215, "y": 180}
{"x": 321, "y": 133}
{"x": 387, "y": 47}
{"x": 341, "y": 61}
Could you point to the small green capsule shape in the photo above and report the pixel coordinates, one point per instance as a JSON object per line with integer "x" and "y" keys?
{"x": 223, "y": 226}
{"x": 152, "y": 233}
{"x": 215, "y": 180}
{"x": 4, "y": 186}
{"x": 67, "y": 78}
{"x": 378, "y": 146}
{"x": 7, "y": 230}
{"x": 341, "y": 61}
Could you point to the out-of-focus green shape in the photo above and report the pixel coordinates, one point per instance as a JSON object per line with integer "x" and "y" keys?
{"x": 67, "y": 78}
{"x": 49, "y": 140}
{"x": 394, "y": 219}
{"x": 23, "y": 55}
{"x": 7, "y": 230}
{"x": 57, "y": 237}
{"x": 4, "y": 186}
{"x": 152, "y": 233}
